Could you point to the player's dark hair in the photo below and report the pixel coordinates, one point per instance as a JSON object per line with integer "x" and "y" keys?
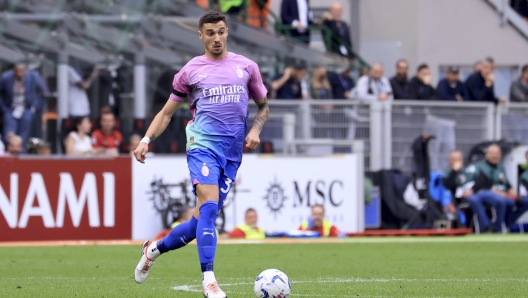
{"x": 490, "y": 60}
{"x": 250, "y": 210}
{"x": 211, "y": 17}
{"x": 422, "y": 66}
{"x": 524, "y": 68}
{"x": 77, "y": 121}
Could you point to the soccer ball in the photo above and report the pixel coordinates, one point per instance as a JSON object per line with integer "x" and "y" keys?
{"x": 272, "y": 283}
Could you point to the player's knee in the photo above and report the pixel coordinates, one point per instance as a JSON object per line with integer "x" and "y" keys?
{"x": 209, "y": 209}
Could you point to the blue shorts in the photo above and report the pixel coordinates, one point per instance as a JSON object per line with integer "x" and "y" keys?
{"x": 207, "y": 167}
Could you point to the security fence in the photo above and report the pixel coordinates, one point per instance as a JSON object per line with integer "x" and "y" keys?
{"x": 388, "y": 129}
{"x": 512, "y": 122}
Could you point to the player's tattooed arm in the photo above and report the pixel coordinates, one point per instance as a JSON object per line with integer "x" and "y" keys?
{"x": 153, "y": 137}
{"x": 262, "y": 114}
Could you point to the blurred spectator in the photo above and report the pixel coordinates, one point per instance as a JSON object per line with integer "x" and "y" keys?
{"x": 467, "y": 186}
{"x": 287, "y": 85}
{"x": 493, "y": 176}
{"x": 479, "y": 85}
{"x": 519, "y": 88}
{"x": 337, "y": 35}
{"x": 250, "y": 229}
{"x": 78, "y": 99}
{"x": 110, "y": 88}
{"x": 43, "y": 148}
{"x": 14, "y": 146}
{"x": 341, "y": 82}
{"x": 476, "y": 66}
{"x": 456, "y": 163}
{"x": 320, "y": 88}
{"x": 78, "y": 142}
{"x": 317, "y": 223}
{"x": 184, "y": 214}
{"x": 364, "y": 71}
{"x": 297, "y": 13}
{"x": 203, "y": 3}
{"x": 233, "y": 7}
{"x": 107, "y": 138}
{"x": 491, "y": 181}
{"x": 451, "y": 88}
{"x": 258, "y": 12}
{"x": 22, "y": 93}
{"x": 420, "y": 86}
{"x": 400, "y": 83}
{"x": 374, "y": 86}
{"x": 133, "y": 142}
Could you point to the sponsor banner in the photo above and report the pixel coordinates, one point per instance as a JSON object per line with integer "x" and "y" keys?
{"x": 281, "y": 189}
{"x": 65, "y": 199}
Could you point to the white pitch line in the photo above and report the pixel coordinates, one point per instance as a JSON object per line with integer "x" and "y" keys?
{"x": 195, "y": 288}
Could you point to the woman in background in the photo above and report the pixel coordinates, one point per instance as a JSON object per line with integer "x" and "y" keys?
{"x": 320, "y": 88}
{"x": 78, "y": 142}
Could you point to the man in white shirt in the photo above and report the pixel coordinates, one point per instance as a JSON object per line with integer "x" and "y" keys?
{"x": 79, "y": 105}
{"x": 297, "y": 13}
{"x": 374, "y": 86}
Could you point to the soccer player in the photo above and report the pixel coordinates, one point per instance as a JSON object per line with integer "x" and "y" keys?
{"x": 219, "y": 85}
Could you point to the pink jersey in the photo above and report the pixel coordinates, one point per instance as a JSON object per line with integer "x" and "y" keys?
{"x": 219, "y": 93}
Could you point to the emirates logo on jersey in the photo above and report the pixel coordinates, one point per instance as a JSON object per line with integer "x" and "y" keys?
{"x": 224, "y": 94}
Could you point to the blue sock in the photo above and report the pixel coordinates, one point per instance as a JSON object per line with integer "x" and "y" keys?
{"x": 206, "y": 235}
{"x": 179, "y": 236}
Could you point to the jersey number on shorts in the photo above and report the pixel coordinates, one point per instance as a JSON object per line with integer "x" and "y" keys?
{"x": 228, "y": 184}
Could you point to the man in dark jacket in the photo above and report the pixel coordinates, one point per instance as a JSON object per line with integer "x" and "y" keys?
{"x": 479, "y": 85}
{"x": 400, "y": 83}
{"x": 492, "y": 176}
{"x": 420, "y": 86}
{"x": 341, "y": 82}
{"x": 22, "y": 93}
{"x": 297, "y": 14}
{"x": 451, "y": 88}
{"x": 337, "y": 35}
{"x": 519, "y": 88}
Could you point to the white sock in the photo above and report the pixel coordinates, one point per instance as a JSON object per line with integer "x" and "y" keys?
{"x": 152, "y": 250}
{"x": 208, "y": 277}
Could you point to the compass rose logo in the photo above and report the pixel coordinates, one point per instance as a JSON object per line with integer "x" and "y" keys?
{"x": 275, "y": 197}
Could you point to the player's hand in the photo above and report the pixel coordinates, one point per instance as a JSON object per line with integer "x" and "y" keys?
{"x": 141, "y": 152}
{"x": 253, "y": 139}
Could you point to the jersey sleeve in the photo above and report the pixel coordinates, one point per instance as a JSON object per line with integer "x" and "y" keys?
{"x": 256, "y": 87}
{"x": 237, "y": 233}
{"x": 180, "y": 86}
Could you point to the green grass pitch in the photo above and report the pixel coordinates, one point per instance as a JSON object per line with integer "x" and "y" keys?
{"x": 472, "y": 266}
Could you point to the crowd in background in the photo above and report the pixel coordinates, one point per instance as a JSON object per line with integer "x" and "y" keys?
{"x": 23, "y": 96}
{"x": 293, "y": 83}
{"x": 23, "y": 92}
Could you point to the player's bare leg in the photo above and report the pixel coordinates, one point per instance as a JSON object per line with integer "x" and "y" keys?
{"x": 206, "y": 212}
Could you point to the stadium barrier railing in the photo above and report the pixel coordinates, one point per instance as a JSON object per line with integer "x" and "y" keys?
{"x": 388, "y": 129}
